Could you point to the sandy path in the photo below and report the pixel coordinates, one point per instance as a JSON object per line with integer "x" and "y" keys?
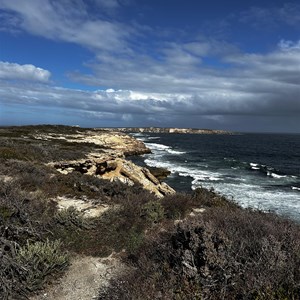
{"x": 83, "y": 279}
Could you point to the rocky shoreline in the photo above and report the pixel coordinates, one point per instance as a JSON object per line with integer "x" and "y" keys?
{"x": 110, "y": 163}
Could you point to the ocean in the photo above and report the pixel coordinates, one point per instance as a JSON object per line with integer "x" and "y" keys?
{"x": 260, "y": 171}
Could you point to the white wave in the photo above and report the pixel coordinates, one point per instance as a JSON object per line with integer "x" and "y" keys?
{"x": 227, "y": 189}
{"x": 195, "y": 173}
{"x": 161, "y": 147}
{"x": 153, "y": 137}
{"x": 252, "y": 195}
{"x": 184, "y": 174}
{"x": 274, "y": 175}
{"x": 175, "y": 152}
{"x": 138, "y": 134}
{"x": 143, "y": 139}
{"x": 229, "y": 159}
{"x": 157, "y": 163}
{"x": 205, "y": 177}
{"x": 255, "y": 168}
{"x": 154, "y": 146}
{"x": 248, "y": 190}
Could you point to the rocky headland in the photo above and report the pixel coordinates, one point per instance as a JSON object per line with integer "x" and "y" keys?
{"x": 167, "y": 130}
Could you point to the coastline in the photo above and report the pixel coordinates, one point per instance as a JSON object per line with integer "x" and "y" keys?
{"x": 70, "y": 197}
{"x": 233, "y": 166}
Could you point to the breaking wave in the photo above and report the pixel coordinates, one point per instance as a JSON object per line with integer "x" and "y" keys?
{"x": 250, "y": 183}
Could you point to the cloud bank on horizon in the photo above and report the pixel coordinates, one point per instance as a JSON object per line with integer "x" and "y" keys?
{"x": 141, "y": 63}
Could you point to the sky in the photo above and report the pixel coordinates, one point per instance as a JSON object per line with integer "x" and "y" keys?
{"x": 232, "y": 65}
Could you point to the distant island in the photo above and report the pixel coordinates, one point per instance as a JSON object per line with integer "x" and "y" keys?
{"x": 168, "y": 130}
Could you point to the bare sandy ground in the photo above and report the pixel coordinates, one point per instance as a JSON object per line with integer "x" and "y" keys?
{"x": 83, "y": 280}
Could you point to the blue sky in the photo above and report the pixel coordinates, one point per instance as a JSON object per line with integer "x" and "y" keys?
{"x": 231, "y": 65}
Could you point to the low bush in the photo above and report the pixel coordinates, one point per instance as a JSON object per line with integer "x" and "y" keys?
{"x": 224, "y": 253}
{"x": 12, "y": 274}
{"x": 209, "y": 198}
{"x": 72, "y": 218}
{"x": 25, "y": 268}
{"x": 9, "y": 153}
{"x": 24, "y": 221}
{"x": 152, "y": 212}
{"x": 40, "y": 259}
{"x": 177, "y": 206}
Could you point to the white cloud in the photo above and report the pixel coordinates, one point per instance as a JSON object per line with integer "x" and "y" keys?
{"x": 67, "y": 21}
{"x": 271, "y": 17}
{"x": 176, "y": 55}
{"x": 23, "y": 72}
{"x": 287, "y": 45}
{"x": 201, "y": 78}
{"x": 149, "y": 89}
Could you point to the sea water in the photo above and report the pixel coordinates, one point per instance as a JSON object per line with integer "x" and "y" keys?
{"x": 256, "y": 170}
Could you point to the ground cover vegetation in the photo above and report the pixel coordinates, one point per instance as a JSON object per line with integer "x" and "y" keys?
{"x": 184, "y": 246}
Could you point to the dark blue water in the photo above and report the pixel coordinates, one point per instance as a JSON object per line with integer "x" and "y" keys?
{"x": 256, "y": 170}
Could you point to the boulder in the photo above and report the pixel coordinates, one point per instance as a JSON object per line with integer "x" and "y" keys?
{"x": 159, "y": 173}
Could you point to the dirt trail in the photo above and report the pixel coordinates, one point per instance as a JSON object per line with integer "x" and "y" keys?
{"x": 83, "y": 280}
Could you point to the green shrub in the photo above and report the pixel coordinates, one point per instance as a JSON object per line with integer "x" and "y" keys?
{"x": 134, "y": 240}
{"x": 73, "y": 218}
{"x": 9, "y": 153}
{"x": 41, "y": 259}
{"x": 5, "y": 213}
{"x": 152, "y": 211}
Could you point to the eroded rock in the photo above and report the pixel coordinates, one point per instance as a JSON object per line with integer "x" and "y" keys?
{"x": 118, "y": 170}
{"x": 159, "y": 173}
{"x": 110, "y": 163}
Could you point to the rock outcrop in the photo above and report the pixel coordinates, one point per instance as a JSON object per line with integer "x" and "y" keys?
{"x": 117, "y": 169}
{"x": 159, "y": 173}
{"x": 113, "y": 143}
{"x": 110, "y": 162}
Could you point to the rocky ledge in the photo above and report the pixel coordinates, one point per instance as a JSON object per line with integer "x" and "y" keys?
{"x": 116, "y": 144}
{"x": 110, "y": 163}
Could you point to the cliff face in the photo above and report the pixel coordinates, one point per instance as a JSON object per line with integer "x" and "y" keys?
{"x": 110, "y": 162}
{"x": 116, "y": 169}
{"x": 168, "y": 130}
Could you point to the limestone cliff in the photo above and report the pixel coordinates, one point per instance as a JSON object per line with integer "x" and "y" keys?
{"x": 117, "y": 169}
{"x": 110, "y": 162}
